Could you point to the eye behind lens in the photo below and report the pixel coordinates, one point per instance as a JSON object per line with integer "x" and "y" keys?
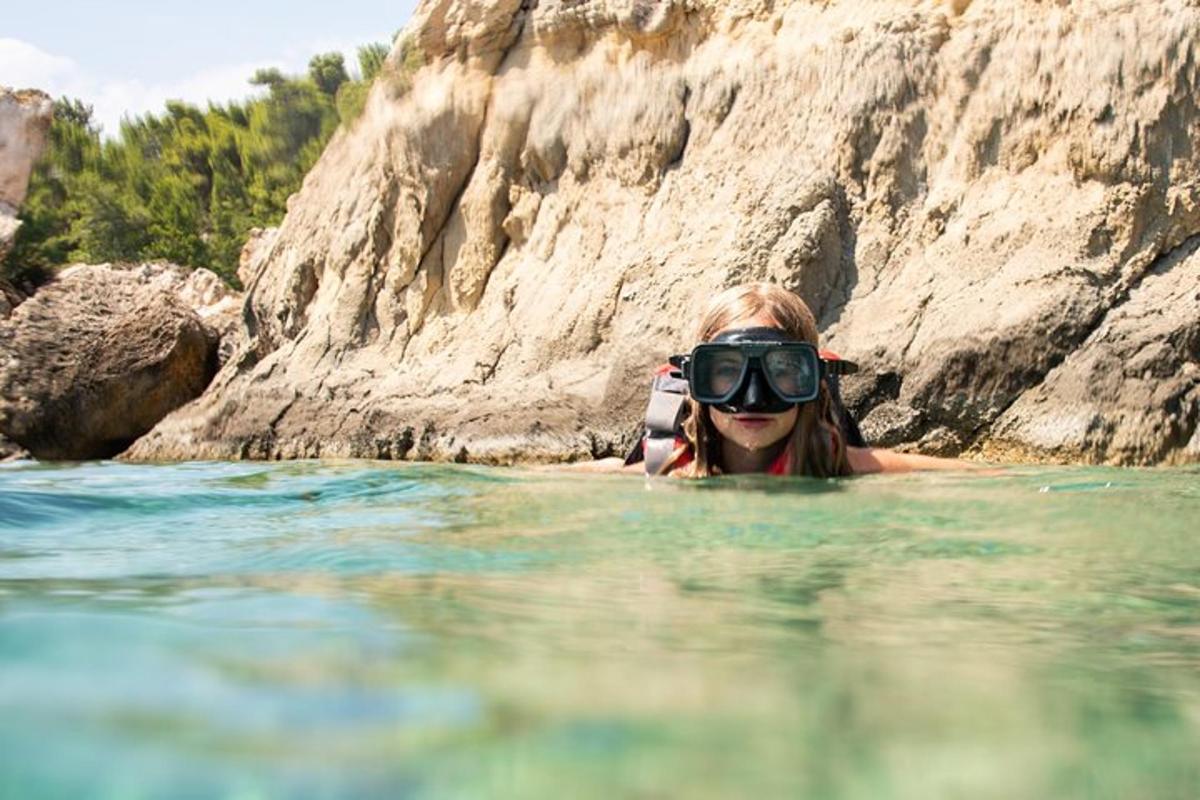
{"x": 717, "y": 371}
{"x": 793, "y": 371}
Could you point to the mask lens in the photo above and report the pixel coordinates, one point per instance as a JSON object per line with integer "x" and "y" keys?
{"x": 717, "y": 372}
{"x": 793, "y": 372}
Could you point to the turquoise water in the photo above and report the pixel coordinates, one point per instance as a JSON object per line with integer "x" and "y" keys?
{"x": 377, "y": 630}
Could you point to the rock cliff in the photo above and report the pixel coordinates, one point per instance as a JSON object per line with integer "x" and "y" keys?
{"x": 24, "y": 122}
{"x": 994, "y": 207}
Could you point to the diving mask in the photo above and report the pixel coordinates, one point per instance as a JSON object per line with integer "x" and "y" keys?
{"x": 756, "y": 370}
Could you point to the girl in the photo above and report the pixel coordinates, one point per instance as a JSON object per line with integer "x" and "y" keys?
{"x": 758, "y": 399}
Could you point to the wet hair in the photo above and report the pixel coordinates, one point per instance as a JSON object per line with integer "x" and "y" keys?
{"x": 816, "y": 446}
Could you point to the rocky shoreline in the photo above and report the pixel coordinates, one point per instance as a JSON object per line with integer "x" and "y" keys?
{"x": 995, "y": 210}
{"x": 94, "y": 359}
{"x": 101, "y": 354}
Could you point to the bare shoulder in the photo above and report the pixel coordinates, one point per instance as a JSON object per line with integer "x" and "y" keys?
{"x": 865, "y": 460}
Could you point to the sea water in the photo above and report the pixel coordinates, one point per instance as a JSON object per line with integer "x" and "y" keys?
{"x": 379, "y": 630}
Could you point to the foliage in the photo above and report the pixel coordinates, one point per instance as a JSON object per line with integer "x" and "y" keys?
{"x": 351, "y": 100}
{"x": 328, "y": 72}
{"x": 186, "y": 184}
{"x": 411, "y": 56}
{"x": 397, "y": 71}
{"x": 371, "y": 59}
{"x": 408, "y": 61}
{"x": 267, "y": 76}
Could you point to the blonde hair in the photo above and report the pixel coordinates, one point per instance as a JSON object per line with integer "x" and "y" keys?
{"x": 815, "y": 445}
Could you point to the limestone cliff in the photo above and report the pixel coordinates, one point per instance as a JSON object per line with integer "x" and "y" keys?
{"x": 994, "y": 207}
{"x": 24, "y": 122}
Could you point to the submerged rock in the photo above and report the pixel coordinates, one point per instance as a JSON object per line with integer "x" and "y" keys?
{"x": 980, "y": 201}
{"x": 98, "y": 356}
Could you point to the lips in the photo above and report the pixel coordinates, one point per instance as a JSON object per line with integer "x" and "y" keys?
{"x": 753, "y": 422}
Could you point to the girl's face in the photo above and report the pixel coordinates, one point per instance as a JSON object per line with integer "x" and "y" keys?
{"x": 753, "y": 431}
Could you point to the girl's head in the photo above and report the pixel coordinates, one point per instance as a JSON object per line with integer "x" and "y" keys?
{"x": 764, "y": 301}
{"x": 814, "y": 443}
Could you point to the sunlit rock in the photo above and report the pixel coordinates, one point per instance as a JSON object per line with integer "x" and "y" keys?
{"x": 99, "y": 355}
{"x": 539, "y": 198}
{"x": 24, "y": 123}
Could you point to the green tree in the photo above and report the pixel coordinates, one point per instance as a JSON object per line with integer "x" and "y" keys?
{"x": 371, "y": 59}
{"x": 351, "y": 100}
{"x": 45, "y": 239}
{"x": 185, "y": 184}
{"x": 106, "y": 223}
{"x": 328, "y": 72}
{"x": 267, "y": 76}
{"x": 73, "y": 113}
{"x": 177, "y": 221}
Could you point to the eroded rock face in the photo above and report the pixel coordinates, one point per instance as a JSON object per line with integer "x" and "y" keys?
{"x": 216, "y": 304}
{"x": 1132, "y": 388}
{"x": 10, "y": 298}
{"x": 99, "y": 355}
{"x": 990, "y": 206}
{"x": 25, "y": 118}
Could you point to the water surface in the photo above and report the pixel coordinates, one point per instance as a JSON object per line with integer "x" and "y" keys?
{"x": 358, "y": 630}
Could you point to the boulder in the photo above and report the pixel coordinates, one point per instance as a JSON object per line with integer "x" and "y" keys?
{"x": 98, "y": 356}
{"x": 217, "y": 305}
{"x": 980, "y": 201}
{"x": 25, "y": 118}
{"x": 11, "y": 451}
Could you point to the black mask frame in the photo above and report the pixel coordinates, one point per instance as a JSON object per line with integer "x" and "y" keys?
{"x": 755, "y": 390}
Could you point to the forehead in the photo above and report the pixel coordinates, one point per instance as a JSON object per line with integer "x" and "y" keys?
{"x": 753, "y": 321}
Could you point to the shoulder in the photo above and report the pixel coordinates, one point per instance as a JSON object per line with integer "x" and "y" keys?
{"x": 865, "y": 460}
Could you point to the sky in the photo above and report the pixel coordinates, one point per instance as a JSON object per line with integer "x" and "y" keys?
{"x": 128, "y": 57}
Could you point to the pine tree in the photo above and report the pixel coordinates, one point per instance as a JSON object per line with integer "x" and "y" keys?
{"x": 186, "y": 184}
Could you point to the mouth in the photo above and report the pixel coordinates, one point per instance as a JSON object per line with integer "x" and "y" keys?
{"x": 753, "y": 421}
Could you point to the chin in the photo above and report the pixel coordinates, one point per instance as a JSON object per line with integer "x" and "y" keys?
{"x": 758, "y": 443}
{"x": 748, "y": 439}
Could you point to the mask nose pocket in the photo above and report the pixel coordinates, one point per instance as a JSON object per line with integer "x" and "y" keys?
{"x": 754, "y": 398}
